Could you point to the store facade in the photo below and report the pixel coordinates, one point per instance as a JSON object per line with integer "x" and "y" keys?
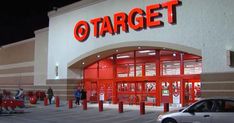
{"x": 153, "y": 76}
{"x": 155, "y": 51}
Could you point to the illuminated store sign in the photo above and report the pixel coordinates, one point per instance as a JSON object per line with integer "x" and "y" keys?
{"x": 136, "y": 19}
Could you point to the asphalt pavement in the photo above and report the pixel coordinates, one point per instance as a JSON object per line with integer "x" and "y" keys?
{"x": 50, "y": 114}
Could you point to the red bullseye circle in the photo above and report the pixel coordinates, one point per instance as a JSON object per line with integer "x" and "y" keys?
{"x": 81, "y": 30}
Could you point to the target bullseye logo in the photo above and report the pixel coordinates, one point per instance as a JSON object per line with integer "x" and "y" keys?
{"x": 81, "y": 30}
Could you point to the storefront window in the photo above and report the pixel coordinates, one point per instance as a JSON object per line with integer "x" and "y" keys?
{"x": 138, "y": 70}
{"x": 132, "y": 87}
{"x": 126, "y": 70}
{"x": 171, "y": 67}
{"x": 125, "y": 64}
{"x": 142, "y": 64}
{"x": 142, "y": 54}
{"x": 150, "y": 87}
{"x": 192, "y": 67}
{"x": 139, "y": 86}
{"x": 150, "y": 69}
{"x": 122, "y": 87}
{"x": 131, "y": 70}
{"x": 197, "y": 89}
{"x": 122, "y": 70}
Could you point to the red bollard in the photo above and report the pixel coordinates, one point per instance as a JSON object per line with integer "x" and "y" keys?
{"x": 166, "y": 107}
{"x": 120, "y": 107}
{"x": 57, "y": 101}
{"x": 142, "y": 108}
{"x": 85, "y": 107}
{"x": 45, "y": 101}
{"x": 70, "y": 102}
{"x": 33, "y": 100}
{"x": 100, "y": 106}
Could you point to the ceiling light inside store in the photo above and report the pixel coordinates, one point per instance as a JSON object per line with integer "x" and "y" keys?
{"x": 116, "y": 50}
{"x": 145, "y": 51}
{"x": 174, "y": 54}
{"x": 121, "y": 57}
{"x": 151, "y": 54}
{"x": 98, "y": 56}
{"x": 139, "y": 47}
{"x": 83, "y": 63}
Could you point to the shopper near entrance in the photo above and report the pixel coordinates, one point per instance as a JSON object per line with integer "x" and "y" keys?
{"x": 83, "y": 94}
{"x": 77, "y": 95}
{"x": 50, "y": 94}
{"x": 20, "y": 94}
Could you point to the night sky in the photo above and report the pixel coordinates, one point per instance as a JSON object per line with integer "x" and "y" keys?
{"x": 20, "y": 18}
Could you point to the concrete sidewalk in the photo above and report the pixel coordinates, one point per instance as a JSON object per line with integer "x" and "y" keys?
{"x": 115, "y": 106}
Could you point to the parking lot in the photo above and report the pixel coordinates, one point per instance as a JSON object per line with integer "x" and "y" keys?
{"x": 50, "y": 114}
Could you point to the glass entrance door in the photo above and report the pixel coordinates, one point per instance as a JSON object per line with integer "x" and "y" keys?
{"x": 105, "y": 90}
{"x": 150, "y": 93}
{"x": 93, "y": 93}
{"x": 170, "y": 91}
{"x": 192, "y": 91}
{"x": 176, "y": 93}
{"x": 135, "y": 92}
{"x": 165, "y": 91}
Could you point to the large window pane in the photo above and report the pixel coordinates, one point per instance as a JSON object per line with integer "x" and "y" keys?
{"x": 125, "y": 64}
{"x": 150, "y": 87}
{"x": 138, "y": 70}
{"x": 124, "y": 58}
{"x": 171, "y": 67}
{"x": 125, "y": 70}
{"x": 150, "y": 69}
{"x": 144, "y": 56}
{"x": 131, "y": 70}
{"x": 192, "y": 67}
{"x": 122, "y": 71}
{"x": 122, "y": 87}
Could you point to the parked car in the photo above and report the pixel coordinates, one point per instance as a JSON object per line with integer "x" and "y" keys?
{"x": 212, "y": 110}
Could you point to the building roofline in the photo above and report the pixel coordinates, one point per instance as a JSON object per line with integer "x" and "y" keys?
{"x": 41, "y": 30}
{"x": 18, "y": 43}
{"x": 72, "y": 7}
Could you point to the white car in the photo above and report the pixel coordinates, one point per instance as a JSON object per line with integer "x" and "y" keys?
{"x": 212, "y": 110}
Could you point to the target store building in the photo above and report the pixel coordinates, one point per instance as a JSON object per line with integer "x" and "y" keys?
{"x": 155, "y": 51}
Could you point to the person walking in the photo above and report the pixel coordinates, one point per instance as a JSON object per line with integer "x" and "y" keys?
{"x": 50, "y": 94}
{"x": 83, "y": 95}
{"x": 77, "y": 95}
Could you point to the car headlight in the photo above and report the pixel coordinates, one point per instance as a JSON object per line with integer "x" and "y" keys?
{"x": 160, "y": 117}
